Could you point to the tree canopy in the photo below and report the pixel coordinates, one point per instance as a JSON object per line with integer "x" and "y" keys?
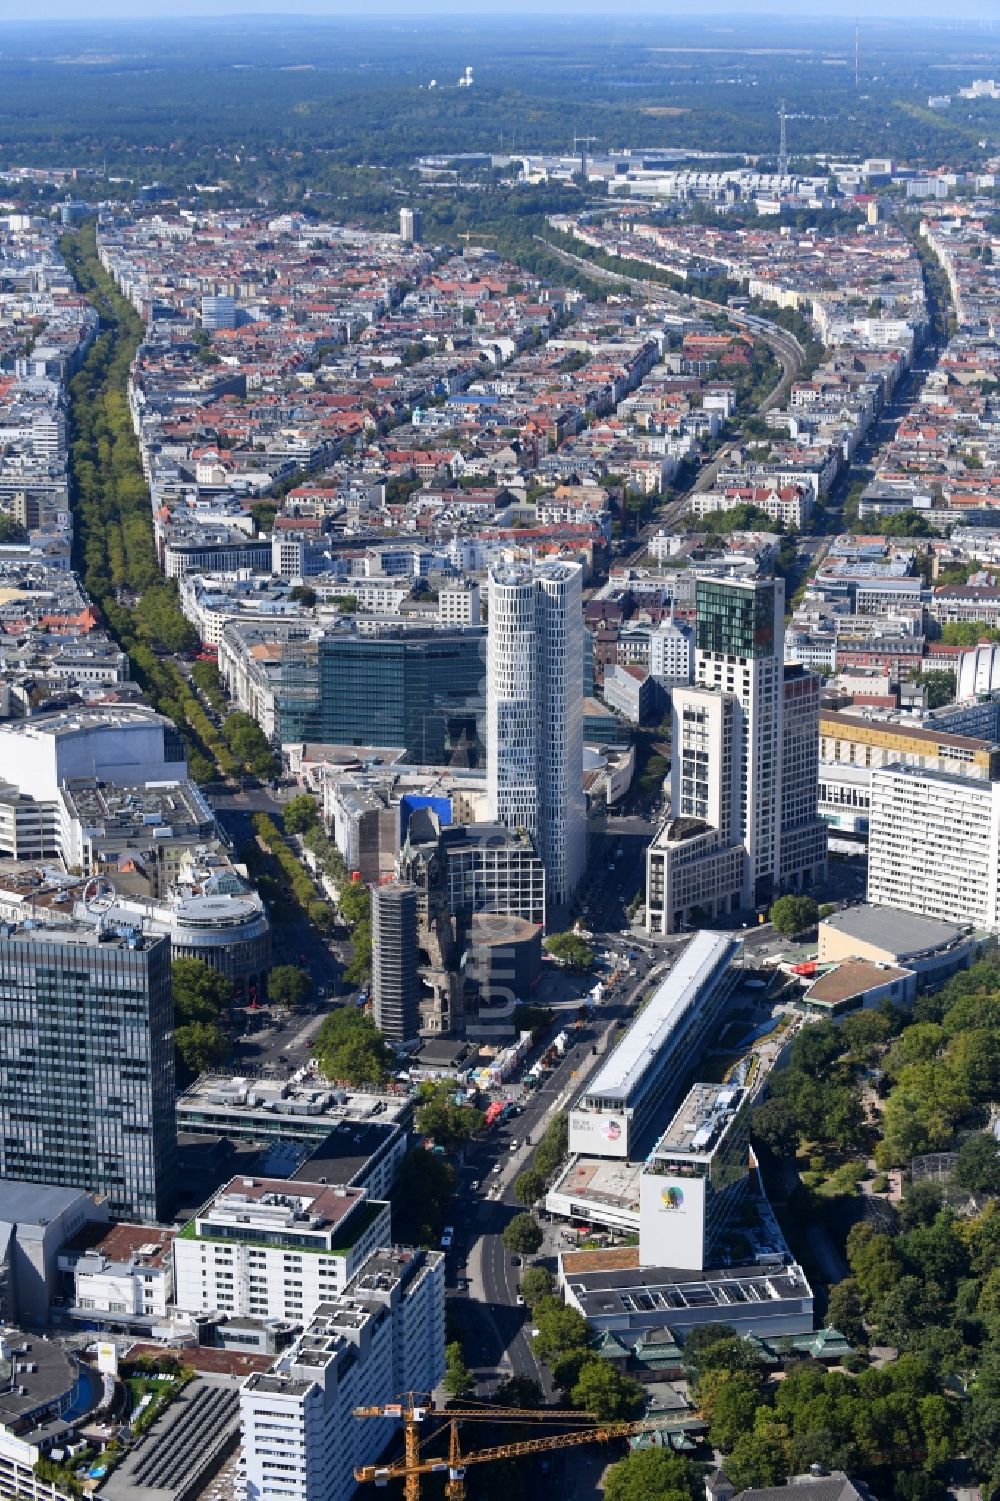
{"x": 522, "y": 1234}
{"x": 420, "y": 1197}
{"x": 603, "y": 1390}
{"x": 652, "y": 1475}
{"x": 300, "y": 814}
{"x": 350, "y": 1048}
{"x": 288, "y": 985}
{"x": 458, "y": 1380}
{"x": 570, "y": 949}
{"x": 201, "y": 993}
{"x": 200, "y": 1046}
{"x": 438, "y": 1116}
{"x": 528, "y": 1186}
{"x": 552, "y": 1148}
{"x": 792, "y": 914}
{"x": 537, "y": 1284}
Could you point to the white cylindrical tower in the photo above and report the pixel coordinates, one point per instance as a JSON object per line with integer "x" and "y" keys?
{"x": 511, "y": 720}
{"x": 534, "y": 738}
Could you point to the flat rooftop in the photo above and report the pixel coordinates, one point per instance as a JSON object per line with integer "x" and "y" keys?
{"x": 209, "y": 1360}
{"x": 630, "y": 1060}
{"x": 601, "y": 1181}
{"x": 701, "y": 1121}
{"x": 155, "y": 805}
{"x": 146, "y": 1245}
{"x": 903, "y": 934}
{"x": 676, "y": 830}
{"x": 24, "y": 1390}
{"x": 34, "y": 1203}
{"x": 852, "y": 977}
{"x": 344, "y": 1152}
{"x": 831, "y": 722}
{"x": 607, "y": 1289}
{"x": 194, "y": 1433}
{"x": 252, "y": 1201}
{"x": 76, "y": 721}
{"x": 78, "y": 935}
{"x": 298, "y": 1101}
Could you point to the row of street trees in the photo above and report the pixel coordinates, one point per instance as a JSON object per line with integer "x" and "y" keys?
{"x": 113, "y": 532}
{"x": 203, "y": 1006}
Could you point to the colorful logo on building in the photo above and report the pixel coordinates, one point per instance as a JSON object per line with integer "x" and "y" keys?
{"x": 672, "y": 1198}
{"x": 612, "y": 1131}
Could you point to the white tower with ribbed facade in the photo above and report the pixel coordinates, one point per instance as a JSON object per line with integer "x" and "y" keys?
{"x": 534, "y": 709}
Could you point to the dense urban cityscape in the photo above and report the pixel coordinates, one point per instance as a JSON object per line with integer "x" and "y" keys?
{"x": 500, "y": 759}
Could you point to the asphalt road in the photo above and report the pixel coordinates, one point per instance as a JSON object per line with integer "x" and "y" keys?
{"x": 295, "y": 940}
{"x": 497, "y": 1333}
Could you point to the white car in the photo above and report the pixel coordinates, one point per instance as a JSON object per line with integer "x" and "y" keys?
{"x": 519, "y": 1300}
{"x": 447, "y": 1237}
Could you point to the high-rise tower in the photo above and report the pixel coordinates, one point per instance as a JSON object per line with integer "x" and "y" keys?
{"x": 745, "y": 763}
{"x": 739, "y": 650}
{"x": 87, "y": 1085}
{"x": 395, "y": 978}
{"x": 534, "y": 714}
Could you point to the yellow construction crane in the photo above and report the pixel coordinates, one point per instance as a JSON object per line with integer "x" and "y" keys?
{"x": 413, "y": 1411}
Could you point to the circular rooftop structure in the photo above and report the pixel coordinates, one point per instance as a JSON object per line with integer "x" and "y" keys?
{"x": 497, "y": 930}
{"x": 230, "y": 933}
{"x": 213, "y": 915}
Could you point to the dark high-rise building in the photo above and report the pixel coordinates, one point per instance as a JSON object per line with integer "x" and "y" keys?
{"x": 422, "y": 691}
{"x": 87, "y": 1064}
{"x": 395, "y": 977}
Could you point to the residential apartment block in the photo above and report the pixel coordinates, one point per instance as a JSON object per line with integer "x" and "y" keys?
{"x": 268, "y": 1248}
{"x": 934, "y": 845}
{"x": 383, "y": 1336}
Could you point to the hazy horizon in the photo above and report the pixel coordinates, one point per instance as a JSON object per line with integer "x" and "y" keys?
{"x": 829, "y": 10}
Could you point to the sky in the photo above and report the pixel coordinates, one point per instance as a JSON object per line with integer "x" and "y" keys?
{"x": 86, "y": 10}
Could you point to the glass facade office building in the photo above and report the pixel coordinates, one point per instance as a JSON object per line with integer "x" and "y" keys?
{"x": 87, "y": 1065}
{"x": 735, "y": 621}
{"x": 421, "y": 691}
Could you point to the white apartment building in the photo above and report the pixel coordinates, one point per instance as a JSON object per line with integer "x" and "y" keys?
{"x": 671, "y": 653}
{"x": 269, "y": 1248}
{"x": 458, "y": 604}
{"x": 294, "y": 555}
{"x": 790, "y": 504}
{"x": 706, "y": 757}
{"x": 382, "y": 1337}
{"x": 934, "y": 845}
{"x": 380, "y": 596}
{"x": 135, "y": 1282}
{"x": 534, "y": 714}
